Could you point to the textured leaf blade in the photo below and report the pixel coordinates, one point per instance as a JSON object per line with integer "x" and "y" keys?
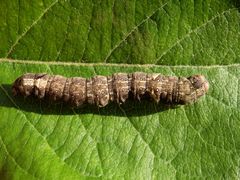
{"x": 135, "y": 140}
{"x": 95, "y": 142}
{"x": 161, "y": 32}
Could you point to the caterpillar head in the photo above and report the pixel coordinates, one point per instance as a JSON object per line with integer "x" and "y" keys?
{"x": 196, "y": 86}
{"x": 199, "y": 83}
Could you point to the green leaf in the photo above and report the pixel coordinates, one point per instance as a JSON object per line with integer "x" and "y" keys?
{"x": 137, "y": 140}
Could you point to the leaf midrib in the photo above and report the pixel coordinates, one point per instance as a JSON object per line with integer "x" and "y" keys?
{"x": 63, "y": 63}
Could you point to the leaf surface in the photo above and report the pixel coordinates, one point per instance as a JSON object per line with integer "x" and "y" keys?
{"x": 136, "y": 140}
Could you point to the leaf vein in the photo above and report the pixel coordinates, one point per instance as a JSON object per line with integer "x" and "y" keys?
{"x": 131, "y": 31}
{"x": 27, "y": 29}
{"x": 13, "y": 159}
{"x": 191, "y": 32}
{"x": 7, "y": 60}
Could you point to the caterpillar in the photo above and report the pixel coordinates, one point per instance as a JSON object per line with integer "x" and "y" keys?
{"x": 100, "y": 90}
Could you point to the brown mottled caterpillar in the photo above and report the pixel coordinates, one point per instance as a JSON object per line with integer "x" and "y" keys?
{"x": 100, "y": 90}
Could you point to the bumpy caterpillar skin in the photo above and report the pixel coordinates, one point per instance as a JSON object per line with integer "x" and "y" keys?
{"x": 100, "y": 90}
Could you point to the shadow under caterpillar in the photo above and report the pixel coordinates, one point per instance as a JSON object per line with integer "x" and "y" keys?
{"x": 100, "y": 90}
